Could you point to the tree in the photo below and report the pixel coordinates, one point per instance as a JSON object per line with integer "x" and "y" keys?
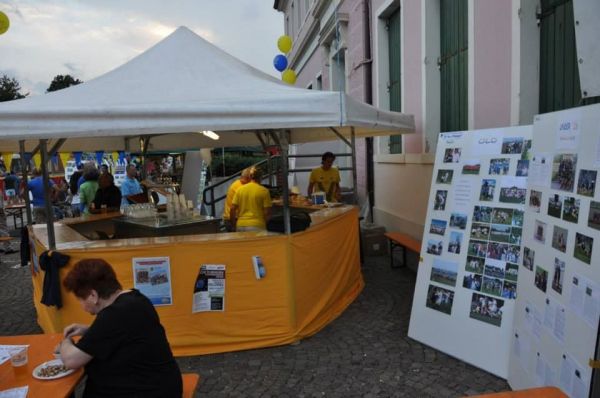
{"x": 10, "y": 89}
{"x": 62, "y": 81}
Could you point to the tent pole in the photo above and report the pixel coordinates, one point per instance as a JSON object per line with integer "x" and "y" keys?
{"x": 284, "y": 146}
{"x": 353, "y": 149}
{"x": 47, "y": 199}
{"x": 25, "y": 181}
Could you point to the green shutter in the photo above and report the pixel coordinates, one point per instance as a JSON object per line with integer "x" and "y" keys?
{"x": 453, "y": 64}
{"x": 559, "y": 74}
{"x": 395, "y": 91}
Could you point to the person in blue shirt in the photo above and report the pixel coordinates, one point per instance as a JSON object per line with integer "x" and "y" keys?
{"x": 36, "y": 187}
{"x": 130, "y": 186}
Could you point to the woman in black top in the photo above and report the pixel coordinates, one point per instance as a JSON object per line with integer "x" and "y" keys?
{"x": 107, "y": 194}
{"x": 125, "y": 350}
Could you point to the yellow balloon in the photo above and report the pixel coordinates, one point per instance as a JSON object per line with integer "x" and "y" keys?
{"x": 289, "y": 76}
{"x": 4, "y": 23}
{"x": 284, "y": 43}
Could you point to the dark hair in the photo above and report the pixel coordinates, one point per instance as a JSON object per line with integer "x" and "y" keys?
{"x": 327, "y": 155}
{"x": 92, "y": 274}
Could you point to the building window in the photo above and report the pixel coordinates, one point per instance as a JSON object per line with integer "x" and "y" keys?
{"x": 395, "y": 75}
{"x": 319, "y": 83}
{"x": 338, "y": 69}
{"x": 453, "y": 64}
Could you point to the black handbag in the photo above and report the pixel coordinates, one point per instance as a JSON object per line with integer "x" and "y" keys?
{"x": 299, "y": 221}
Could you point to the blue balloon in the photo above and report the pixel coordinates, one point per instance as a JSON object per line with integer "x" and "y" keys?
{"x": 280, "y": 62}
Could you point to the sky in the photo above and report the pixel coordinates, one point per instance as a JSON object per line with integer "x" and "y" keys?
{"x": 87, "y": 38}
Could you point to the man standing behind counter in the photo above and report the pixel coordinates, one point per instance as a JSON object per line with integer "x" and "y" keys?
{"x": 326, "y": 179}
{"x": 251, "y": 206}
{"x": 244, "y": 179}
{"x": 131, "y": 186}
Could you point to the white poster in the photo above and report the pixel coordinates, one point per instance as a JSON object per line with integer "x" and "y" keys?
{"x": 152, "y": 277}
{"x": 467, "y": 281}
{"x": 209, "y": 289}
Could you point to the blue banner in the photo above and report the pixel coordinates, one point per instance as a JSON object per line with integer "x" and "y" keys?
{"x": 99, "y": 157}
{"x": 77, "y": 156}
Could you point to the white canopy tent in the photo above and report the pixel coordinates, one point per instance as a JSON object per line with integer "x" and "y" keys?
{"x": 184, "y": 84}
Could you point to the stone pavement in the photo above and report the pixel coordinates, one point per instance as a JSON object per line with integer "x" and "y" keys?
{"x": 363, "y": 353}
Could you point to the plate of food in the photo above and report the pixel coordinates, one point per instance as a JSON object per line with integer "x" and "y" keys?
{"x": 51, "y": 370}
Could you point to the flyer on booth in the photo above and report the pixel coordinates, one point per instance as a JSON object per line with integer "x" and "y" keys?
{"x": 209, "y": 289}
{"x": 152, "y": 277}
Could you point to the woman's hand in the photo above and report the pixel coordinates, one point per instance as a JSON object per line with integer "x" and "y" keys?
{"x": 75, "y": 329}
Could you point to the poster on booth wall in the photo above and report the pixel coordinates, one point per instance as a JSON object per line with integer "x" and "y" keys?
{"x": 560, "y": 280}
{"x": 209, "y": 289}
{"x": 152, "y": 277}
{"x": 467, "y": 281}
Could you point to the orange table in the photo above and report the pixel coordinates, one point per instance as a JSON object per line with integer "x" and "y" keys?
{"x": 541, "y": 392}
{"x": 40, "y": 350}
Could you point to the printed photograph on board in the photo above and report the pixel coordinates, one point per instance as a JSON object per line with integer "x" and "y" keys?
{"x": 583, "y": 248}
{"x": 455, "y": 243}
{"x": 586, "y": 185}
{"x": 434, "y": 247}
{"x": 571, "y": 210}
{"x": 513, "y": 194}
{"x": 480, "y": 231}
{"x": 444, "y": 176}
{"x": 512, "y": 145}
{"x": 516, "y": 235}
{"x": 482, "y": 214}
{"x": 452, "y": 155}
{"x": 440, "y": 200}
{"x": 528, "y": 258}
{"x": 509, "y": 290}
{"x": 541, "y": 278}
{"x": 492, "y": 286}
{"x": 535, "y": 201}
{"x": 522, "y": 168}
{"x": 499, "y": 166}
{"x": 517, "y": 218}
{"x": 555, "y": 205}
{"x": 559, "y": 238}
{"x": 458, "y": 220}
{"x": 443, "y": 271}
{"x": 494, "y": 269}
{"x": 539, "y": 231}
{"x": 558, "y": 276}
{"x": 563, "y": 172}
{"x": 502, "y": 216}
{"x": 477, "y": 248}
{"x": 500, "y": 233}
{"x": 440, "y": 299}
{"x": 438, "y": 227}
{"x": 486, "y": 193}
{"x": 486, "y": 309}
{"x": 526, "y": 154}
{"x": 594, "y": 215}
{"x": 472, "y": 281}
{"x": 471, "y": 166}
{"x": 511, "y": 272}
{"x": 475, "y": 264}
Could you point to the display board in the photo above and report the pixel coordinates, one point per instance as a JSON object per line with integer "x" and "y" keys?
{"x": 558, "y": 306}
{"x": 467, "y": 279}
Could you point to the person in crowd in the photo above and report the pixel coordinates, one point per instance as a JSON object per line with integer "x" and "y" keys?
{"x": 125, "y": 350}
{"x": 11, "y": 185}
{"x": 251, "y": 205}
{"x": 36, "y": 187}
{"x": 326, "y": 179}
{"x": 6, "y": 245}
{"x": 73, "y": 181}
{"x": 130, "y": 186}
{"x": 108, "y": 195}
{"x": 244, "y": 179}
{"x": 104, "y": 169}
{"x": 87, "y": 190}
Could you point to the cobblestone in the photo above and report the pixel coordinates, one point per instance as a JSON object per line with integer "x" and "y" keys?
{"x": 364, "y": 353}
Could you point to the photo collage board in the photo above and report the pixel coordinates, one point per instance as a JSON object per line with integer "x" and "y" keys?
{"x": 467, "y": 281}
{"x": 557, "y": 311}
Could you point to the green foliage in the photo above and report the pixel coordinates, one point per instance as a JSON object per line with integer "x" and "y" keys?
{"x": 234, "y": 162}
{"x": 62, "y": 81}
{"x": 10, "y": 89}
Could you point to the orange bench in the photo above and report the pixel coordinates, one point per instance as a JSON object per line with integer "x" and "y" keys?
{"x": 541, "y": 392}
{"x": 404, "y": 241}
{"x": 190, "y": 381}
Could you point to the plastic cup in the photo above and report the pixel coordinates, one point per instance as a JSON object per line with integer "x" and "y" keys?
{"x": 18, "y": 357}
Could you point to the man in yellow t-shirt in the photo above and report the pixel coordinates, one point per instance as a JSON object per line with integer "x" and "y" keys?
{"x": 326, "y": 179}
{"x": 251, "y": 206}
{"x": 244, "y": 179}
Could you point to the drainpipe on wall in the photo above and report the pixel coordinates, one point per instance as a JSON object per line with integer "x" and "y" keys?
{"x": 368, "y": 76}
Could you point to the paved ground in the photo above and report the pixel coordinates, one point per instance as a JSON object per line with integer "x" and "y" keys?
{"x": 363, "y": 353}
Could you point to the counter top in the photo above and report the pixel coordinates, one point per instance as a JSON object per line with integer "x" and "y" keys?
{"x": 161, "y": 221}
{"x": 85, "y": 218}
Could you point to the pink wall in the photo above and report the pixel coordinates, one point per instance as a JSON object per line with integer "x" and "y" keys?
{"x": 412, "y": 73}
{"x": 492, "y": 74}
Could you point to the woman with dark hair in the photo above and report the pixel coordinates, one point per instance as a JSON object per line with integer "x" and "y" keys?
{"x": 125, "y": 350}
{"x": 87, "y": 190}
{"x": 107, "y": 196}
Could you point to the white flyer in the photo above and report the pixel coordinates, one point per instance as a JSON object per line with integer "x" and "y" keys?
{"x": 152, "y": 277}
{"x": 209, "y": 289}
{"x": 567, "y": 133}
